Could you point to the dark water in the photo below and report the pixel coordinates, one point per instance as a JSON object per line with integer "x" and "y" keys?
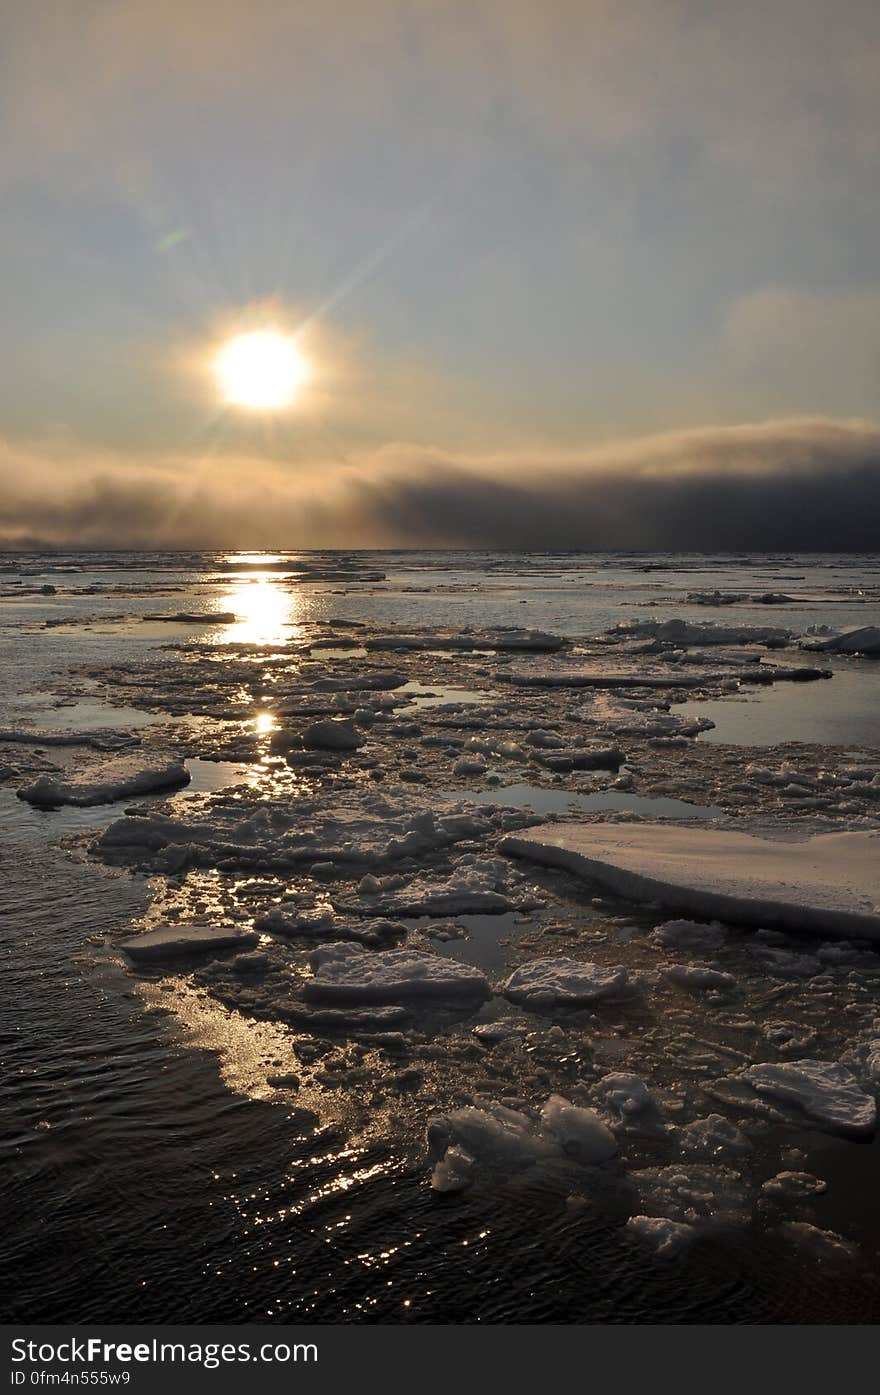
{"x": 140, "y": 1186}
{"x": 845, "y": 712}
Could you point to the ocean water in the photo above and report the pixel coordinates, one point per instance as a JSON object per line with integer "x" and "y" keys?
{"x": 144, "y": 1178}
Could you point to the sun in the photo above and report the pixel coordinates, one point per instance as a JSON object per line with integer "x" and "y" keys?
{"x": 263, "y": 370}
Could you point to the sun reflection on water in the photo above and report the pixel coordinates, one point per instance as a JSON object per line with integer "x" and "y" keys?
{"x": 265, "y": 722}
{"x": 268, "y": 610}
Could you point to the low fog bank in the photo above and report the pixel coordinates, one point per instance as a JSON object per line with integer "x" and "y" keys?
{"x": 806, "y": 485}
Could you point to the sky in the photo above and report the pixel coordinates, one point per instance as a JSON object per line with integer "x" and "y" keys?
{"x": 583, "y": 273}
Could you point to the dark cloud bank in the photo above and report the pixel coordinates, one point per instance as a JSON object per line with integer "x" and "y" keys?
{"x": 803, "y": 485}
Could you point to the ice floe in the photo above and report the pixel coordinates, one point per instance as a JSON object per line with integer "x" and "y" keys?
{"x": 501, "y": 640}
{"x": 814, "y": 1093}
{"x": 688, "y": 935}
{"x": 177, "y": 941}
{"x": 666, "y": 1238}
{"x": 821, "y": 1244}
{"x": 684, "y": 632}
{"x": 863, "y": 1057}
{"x": 499, "y": 1140}
{"x": 495, "y": 1136}
{"x": 712, "y": 1139}
{"x": 694, "y": 1193}
{"x": 369, "y": 832}
{"x": 629, "y": 1102}
{"x": 581, "y": 1132}
{"x": 335, "y": 734}
{"x": 105, "y": 739}
{"x": 551, "y": 983}
{"x": 193, "y": 617}
{"x": 477, "y": 886}
{"x": 698, "y": 977}
{"x": 793, "y": 1187}
{"x": 292, "y": 920}
{"x": 593, "y": 757}
{"x": 102, "y": 783}
{"x": 605, "y": 677}
{"x": 829, "y": 883}
{"x": 348, "y": 973}
{"x": 502, "y": 1029}
{"x": 858, "y": 639}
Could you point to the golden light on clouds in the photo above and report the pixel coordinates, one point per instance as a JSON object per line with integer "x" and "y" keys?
{"x": 263, "y": 370}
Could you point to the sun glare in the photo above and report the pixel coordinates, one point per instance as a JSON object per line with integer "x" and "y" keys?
{"x": 266, "y": 609}
{"x": 262, "y": 371}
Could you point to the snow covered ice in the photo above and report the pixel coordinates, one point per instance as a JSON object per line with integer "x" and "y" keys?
{"x": 171, "y": 942}
{"x": 823, "y": 1094}
{"x": 104, "y": 782}
{"x": 828, "y": 883}
{"x": 551, "y": 983}
{"x": 348, "y": 973}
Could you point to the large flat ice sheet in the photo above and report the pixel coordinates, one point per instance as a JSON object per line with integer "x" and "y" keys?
{"x": 826, "y": 884}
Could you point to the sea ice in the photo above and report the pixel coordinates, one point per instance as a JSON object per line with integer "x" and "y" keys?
{"x": 454, "y": 1171}
{"x": 821, "y": 1244}
{"x": 693, "y": 1193}
{"x": 863, "y": 1057}
{"x": 629, "y": 1100}
{"x": 793, "y": 1186}
{"x": 176, "y": 941}
{"x": 829, "y": 883}
{"x": 582, "y": 677}
{"x": 348, "y": 973}
{"x": 666, "y": 1238}
{"x": 501, "y": 640}
{"x": 627, "y": 717}
{"x": 507, "y": 1140}
{"x": 688, "y": 934}
{"x": 502, "y": 1029}
{"x": 102, "y": 783}
{"x": 595, "y": 757}
{"x": 194, "y": 617}
{"x": 712, "y": 1138}
{"x": 581, "y": 1132}
{"x": 336, "y": 734}
{"x": 683, "y": 632}
{"x": 550, "y": 983}
{"x": 376, "y": 1018}
{"x": 368, "y": 831}
{"x": 101, "y": 740}
{"x": 320, "y": 923}
{"x": 472, "y": 889}
{"x": 823, "y": 1094}
{"x": 782, "y": 963}
{"x": 859, "y": 639}
{"x": 495, "y": 1136}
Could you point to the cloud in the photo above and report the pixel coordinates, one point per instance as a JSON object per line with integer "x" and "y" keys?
{"x": 802, "y": 484}
{"x": 793, "y": 348}
{"x": 773, "y": 90}
{"x": 792, "y": 320}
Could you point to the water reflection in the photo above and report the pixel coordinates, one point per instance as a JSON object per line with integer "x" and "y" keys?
{"x": 252, "y": 559}
{"x": 264, "y": 722}
{"x": 268, "y": 610}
